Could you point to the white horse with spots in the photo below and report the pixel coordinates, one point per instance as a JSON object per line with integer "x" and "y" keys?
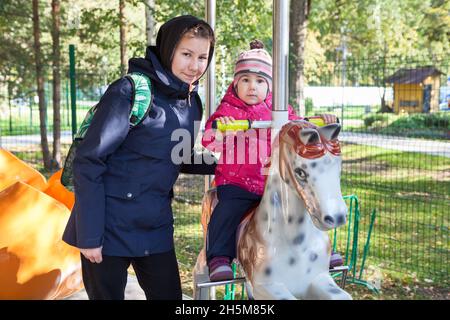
{"x": 283, "y": 248}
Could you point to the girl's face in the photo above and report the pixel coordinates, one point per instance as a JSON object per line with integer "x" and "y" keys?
{"x": 190, "y": 58}
{"x": 252, "y": 89}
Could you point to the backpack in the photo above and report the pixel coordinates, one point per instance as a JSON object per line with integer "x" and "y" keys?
{"x": 141, "y": 104}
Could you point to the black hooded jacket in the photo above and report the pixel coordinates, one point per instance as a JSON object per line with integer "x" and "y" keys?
{"x": 124, "y": 178}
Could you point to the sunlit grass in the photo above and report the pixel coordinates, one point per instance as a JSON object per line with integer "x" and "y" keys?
{"x": 410, "y": 239}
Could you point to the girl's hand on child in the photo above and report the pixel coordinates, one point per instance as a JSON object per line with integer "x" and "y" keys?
{"x": 329, "y": 118}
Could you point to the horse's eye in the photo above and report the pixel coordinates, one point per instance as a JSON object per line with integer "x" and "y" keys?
{"x": 301, "y": 174}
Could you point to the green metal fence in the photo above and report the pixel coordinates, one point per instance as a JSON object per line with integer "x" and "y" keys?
{"x": 19, "y": 110}
{"x": 396, "y": 164}
{"x": 399, "y": 164}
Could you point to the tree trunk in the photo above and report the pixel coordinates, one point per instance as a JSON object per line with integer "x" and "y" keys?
{"x": 40, "y": 86}
{"x": 384, "y": 107}
{"x": 150, "y": 22}
{"x": 298, "y": 30}
{"x": 56, "y": 85}
{"x": 123, "y": 38}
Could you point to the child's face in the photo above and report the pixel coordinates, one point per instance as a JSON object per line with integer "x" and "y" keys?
{"x": 251, "y": 88}
{"x": 190, "y": 58}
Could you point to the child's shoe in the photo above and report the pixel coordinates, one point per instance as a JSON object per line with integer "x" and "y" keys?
{"x": 220, "y": 269}
{"x": 336, "y": 260}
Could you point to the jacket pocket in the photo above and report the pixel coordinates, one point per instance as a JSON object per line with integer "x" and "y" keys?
{"x": 127, "y": 191}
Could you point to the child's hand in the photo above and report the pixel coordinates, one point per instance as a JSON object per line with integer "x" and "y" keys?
{"x": 226, "y": 120}
{"x": 329, "y": 118}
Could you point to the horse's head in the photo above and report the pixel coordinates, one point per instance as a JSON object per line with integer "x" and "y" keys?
{"x": 310, "y": 162}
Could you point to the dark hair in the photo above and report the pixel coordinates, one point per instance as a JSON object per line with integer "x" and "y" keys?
{"x": 201, "y": 30}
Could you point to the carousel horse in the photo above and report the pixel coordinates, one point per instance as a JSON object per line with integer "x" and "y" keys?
{"x": 283, "y": 248}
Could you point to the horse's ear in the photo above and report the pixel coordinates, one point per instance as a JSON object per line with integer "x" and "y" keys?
{"x": 331, "y": 131}
{"x": 308, "y": 136}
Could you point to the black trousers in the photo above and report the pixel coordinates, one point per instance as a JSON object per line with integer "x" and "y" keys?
{"x": 157, "y": 275}
{"x": 233, "y": 203}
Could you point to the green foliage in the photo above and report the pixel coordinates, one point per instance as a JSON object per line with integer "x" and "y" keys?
{"x": 96, "y": 37}
{"x": 435, "y": 26}
{"x": 420, "y": 125}
{"x": 235, "y": 31}
{"x": 423, "y": 121}
{"x": 374, "y": 119}
{"x": 16, "y": 49}
{"x": 373, "y": 28}
{"x": 309, "y": 106}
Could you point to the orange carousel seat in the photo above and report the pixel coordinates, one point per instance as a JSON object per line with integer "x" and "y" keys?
{"x": 34, "y": 262}
{"x": 57, "y": 191}
{"x": 12, "y": 169}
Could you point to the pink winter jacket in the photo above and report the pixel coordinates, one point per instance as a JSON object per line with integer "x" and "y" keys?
{"x": 245, "y": 172}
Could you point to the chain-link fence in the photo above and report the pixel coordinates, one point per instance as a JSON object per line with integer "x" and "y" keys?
{"x": 20, "y": 115}
{"x": 397, "y": 162}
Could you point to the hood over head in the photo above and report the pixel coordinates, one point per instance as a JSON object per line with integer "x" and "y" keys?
{"x": 158, "y": 59}
{"x": 171, "y": 33}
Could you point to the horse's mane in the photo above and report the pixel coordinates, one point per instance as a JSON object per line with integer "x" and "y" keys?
{"x": 249, "y": 240}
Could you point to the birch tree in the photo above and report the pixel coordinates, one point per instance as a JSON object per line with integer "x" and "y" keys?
{"x": 150, "y": 22}
{"x": 299, "y": 12}
{"x": 123, "y": 38}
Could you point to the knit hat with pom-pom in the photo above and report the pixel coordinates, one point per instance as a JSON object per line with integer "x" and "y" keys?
{"x": 256, "y": 60}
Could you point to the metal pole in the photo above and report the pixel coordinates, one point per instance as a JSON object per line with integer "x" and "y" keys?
{"x": 73, "y": 92}
{"x": 210, "y": 87}
{"x": 280, "y": 63}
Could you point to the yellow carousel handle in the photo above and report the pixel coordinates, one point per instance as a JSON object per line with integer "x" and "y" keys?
{"x": 246, "y": 124}
{"x": 236, "y": 125}
{"x": 318, "y": 120}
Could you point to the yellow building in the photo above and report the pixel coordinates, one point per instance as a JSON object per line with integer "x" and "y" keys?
{"x": 416, "y": 90}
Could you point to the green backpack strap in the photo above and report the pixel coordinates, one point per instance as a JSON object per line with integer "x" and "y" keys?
{"x": 141, "y": 104}
{"x": 142, "y": 99}
{"x": 86, "y": 123}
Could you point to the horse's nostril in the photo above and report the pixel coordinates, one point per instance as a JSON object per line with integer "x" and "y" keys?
{"x": 341, "y": 219}
{"x": 329, "y": 219}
